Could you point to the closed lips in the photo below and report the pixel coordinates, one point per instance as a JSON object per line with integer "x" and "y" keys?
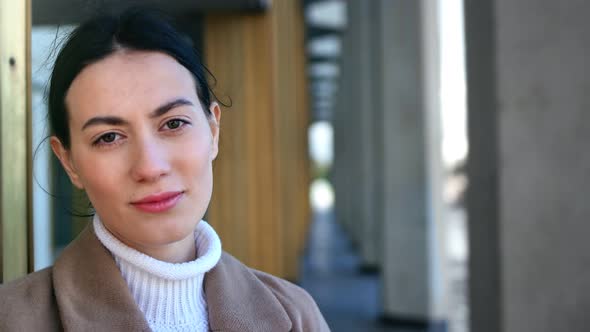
{"x": 159, "y": 202}
{"x": 158, "y": 197}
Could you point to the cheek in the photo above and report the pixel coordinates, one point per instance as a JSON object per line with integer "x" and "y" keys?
{"x": 194, "y": 159}
{"x": 194, "y": 165}
{"x": 101, "y": 176}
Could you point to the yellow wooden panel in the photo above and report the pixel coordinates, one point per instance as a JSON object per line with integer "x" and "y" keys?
{"x": 228, "y": 208}
{"x": 14, "y": 137}
{"x": 264, "y": 228}
{"x": 244, "y": 209}
{"x": 291, "y": 128}
{"x": 260, "y": 205}
{"x": 238, "y": 51}
{"x": 302, "y": 124}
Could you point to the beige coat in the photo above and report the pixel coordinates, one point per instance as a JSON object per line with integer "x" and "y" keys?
{"x": 84, "y": 291}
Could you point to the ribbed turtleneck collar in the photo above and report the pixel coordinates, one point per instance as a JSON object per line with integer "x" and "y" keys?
{"x": 169, "y": 294}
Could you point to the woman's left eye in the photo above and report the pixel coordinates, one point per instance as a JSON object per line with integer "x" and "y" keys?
{"x": 175, "y": 124}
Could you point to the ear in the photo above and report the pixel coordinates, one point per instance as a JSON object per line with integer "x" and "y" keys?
{"x": 65, "y": 159}
{"x": 214, "y": 120}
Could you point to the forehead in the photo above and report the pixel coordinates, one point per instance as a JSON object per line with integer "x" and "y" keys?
{"x": 128, "y": 80}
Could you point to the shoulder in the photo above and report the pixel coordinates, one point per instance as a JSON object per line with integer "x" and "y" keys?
{"x": 300, "y": 306}
{"x": 26, "y": 289}
{"x": 297, "y": 303}
{"x": 31, "y": 297}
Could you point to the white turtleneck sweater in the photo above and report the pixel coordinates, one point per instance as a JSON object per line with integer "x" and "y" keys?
{"x": 170, "y": 295}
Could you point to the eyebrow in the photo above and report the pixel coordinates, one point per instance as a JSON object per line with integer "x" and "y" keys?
{"x": 117, "y": 121}
{"x": 169, "y": 106}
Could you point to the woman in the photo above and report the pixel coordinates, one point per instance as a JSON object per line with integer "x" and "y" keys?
{"x": 134, "y": 125}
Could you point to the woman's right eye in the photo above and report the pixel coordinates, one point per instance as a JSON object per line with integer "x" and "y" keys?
{"x": 107, "y": 139}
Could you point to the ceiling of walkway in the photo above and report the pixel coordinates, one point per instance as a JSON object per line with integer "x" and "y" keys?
{"x": 53, "y": 12}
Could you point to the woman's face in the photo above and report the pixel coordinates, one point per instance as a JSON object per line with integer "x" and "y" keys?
{"x": 141, "y": 147}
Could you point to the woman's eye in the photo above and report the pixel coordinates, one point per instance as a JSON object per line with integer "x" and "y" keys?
{"x": 174, "y": 124}
{"x": 107, "y": 139}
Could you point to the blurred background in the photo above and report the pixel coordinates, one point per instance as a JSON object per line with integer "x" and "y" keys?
{"x": 413, "y": 164}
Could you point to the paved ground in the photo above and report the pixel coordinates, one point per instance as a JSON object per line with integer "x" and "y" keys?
{"x": 350, "y": 300}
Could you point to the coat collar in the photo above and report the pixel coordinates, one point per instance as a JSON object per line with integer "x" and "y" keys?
{"x": 92, "y": 295}
{"x": 238, "y": 301}
{"x": 90, "y": 291}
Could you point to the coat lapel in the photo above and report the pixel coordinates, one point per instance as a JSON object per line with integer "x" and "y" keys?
{"x": 92, "y": 295}
{"x": 90, "y": 291}
{"x": 238, "y": 301}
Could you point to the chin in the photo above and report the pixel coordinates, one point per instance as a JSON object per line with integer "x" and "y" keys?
{"x": 174, "y": 231}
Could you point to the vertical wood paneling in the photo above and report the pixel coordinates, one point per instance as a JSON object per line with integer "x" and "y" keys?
{"x": 14, "y": 137}
{"x": 259, "y": 204}
{"x": 303, "y": 215}
{"x": 245, "y": 206}
{"x": 291, "y": 129}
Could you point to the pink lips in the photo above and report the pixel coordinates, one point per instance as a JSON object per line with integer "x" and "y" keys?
{"x": 160, "y": 202}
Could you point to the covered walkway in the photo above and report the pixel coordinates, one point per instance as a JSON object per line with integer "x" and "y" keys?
{"x": 330, "y": 273}
{"x": 349, "y": 299}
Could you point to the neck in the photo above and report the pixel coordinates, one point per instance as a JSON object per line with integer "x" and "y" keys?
{"x": 177, "y": 252}
{"x": 171, "y": 296}
{"x": 180, "y": 251}
{"x": 204, "y": 238}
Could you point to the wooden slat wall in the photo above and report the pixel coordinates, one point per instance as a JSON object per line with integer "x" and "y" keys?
{"x": 303, "y": 121}
{"x": 14, "y": 138}
{"x": 260, "y": 206}
{"x": 291, "y": 128}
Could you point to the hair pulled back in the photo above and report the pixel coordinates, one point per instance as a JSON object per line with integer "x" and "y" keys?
{"x": 134, "y": 29}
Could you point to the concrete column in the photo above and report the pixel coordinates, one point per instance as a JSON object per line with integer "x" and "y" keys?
{"x": 405, "y": 265}
{"x": 437, "y": 210}
{"x": 347, "y": 142}
{"x": 376, "y": 132}
{"x": 529, "y": 177}
{"x": 361, "y": 85}
{"x": 340, "y": 171}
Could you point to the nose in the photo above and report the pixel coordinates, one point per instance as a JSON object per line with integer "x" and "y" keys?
{"x": 150, "y": 162}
